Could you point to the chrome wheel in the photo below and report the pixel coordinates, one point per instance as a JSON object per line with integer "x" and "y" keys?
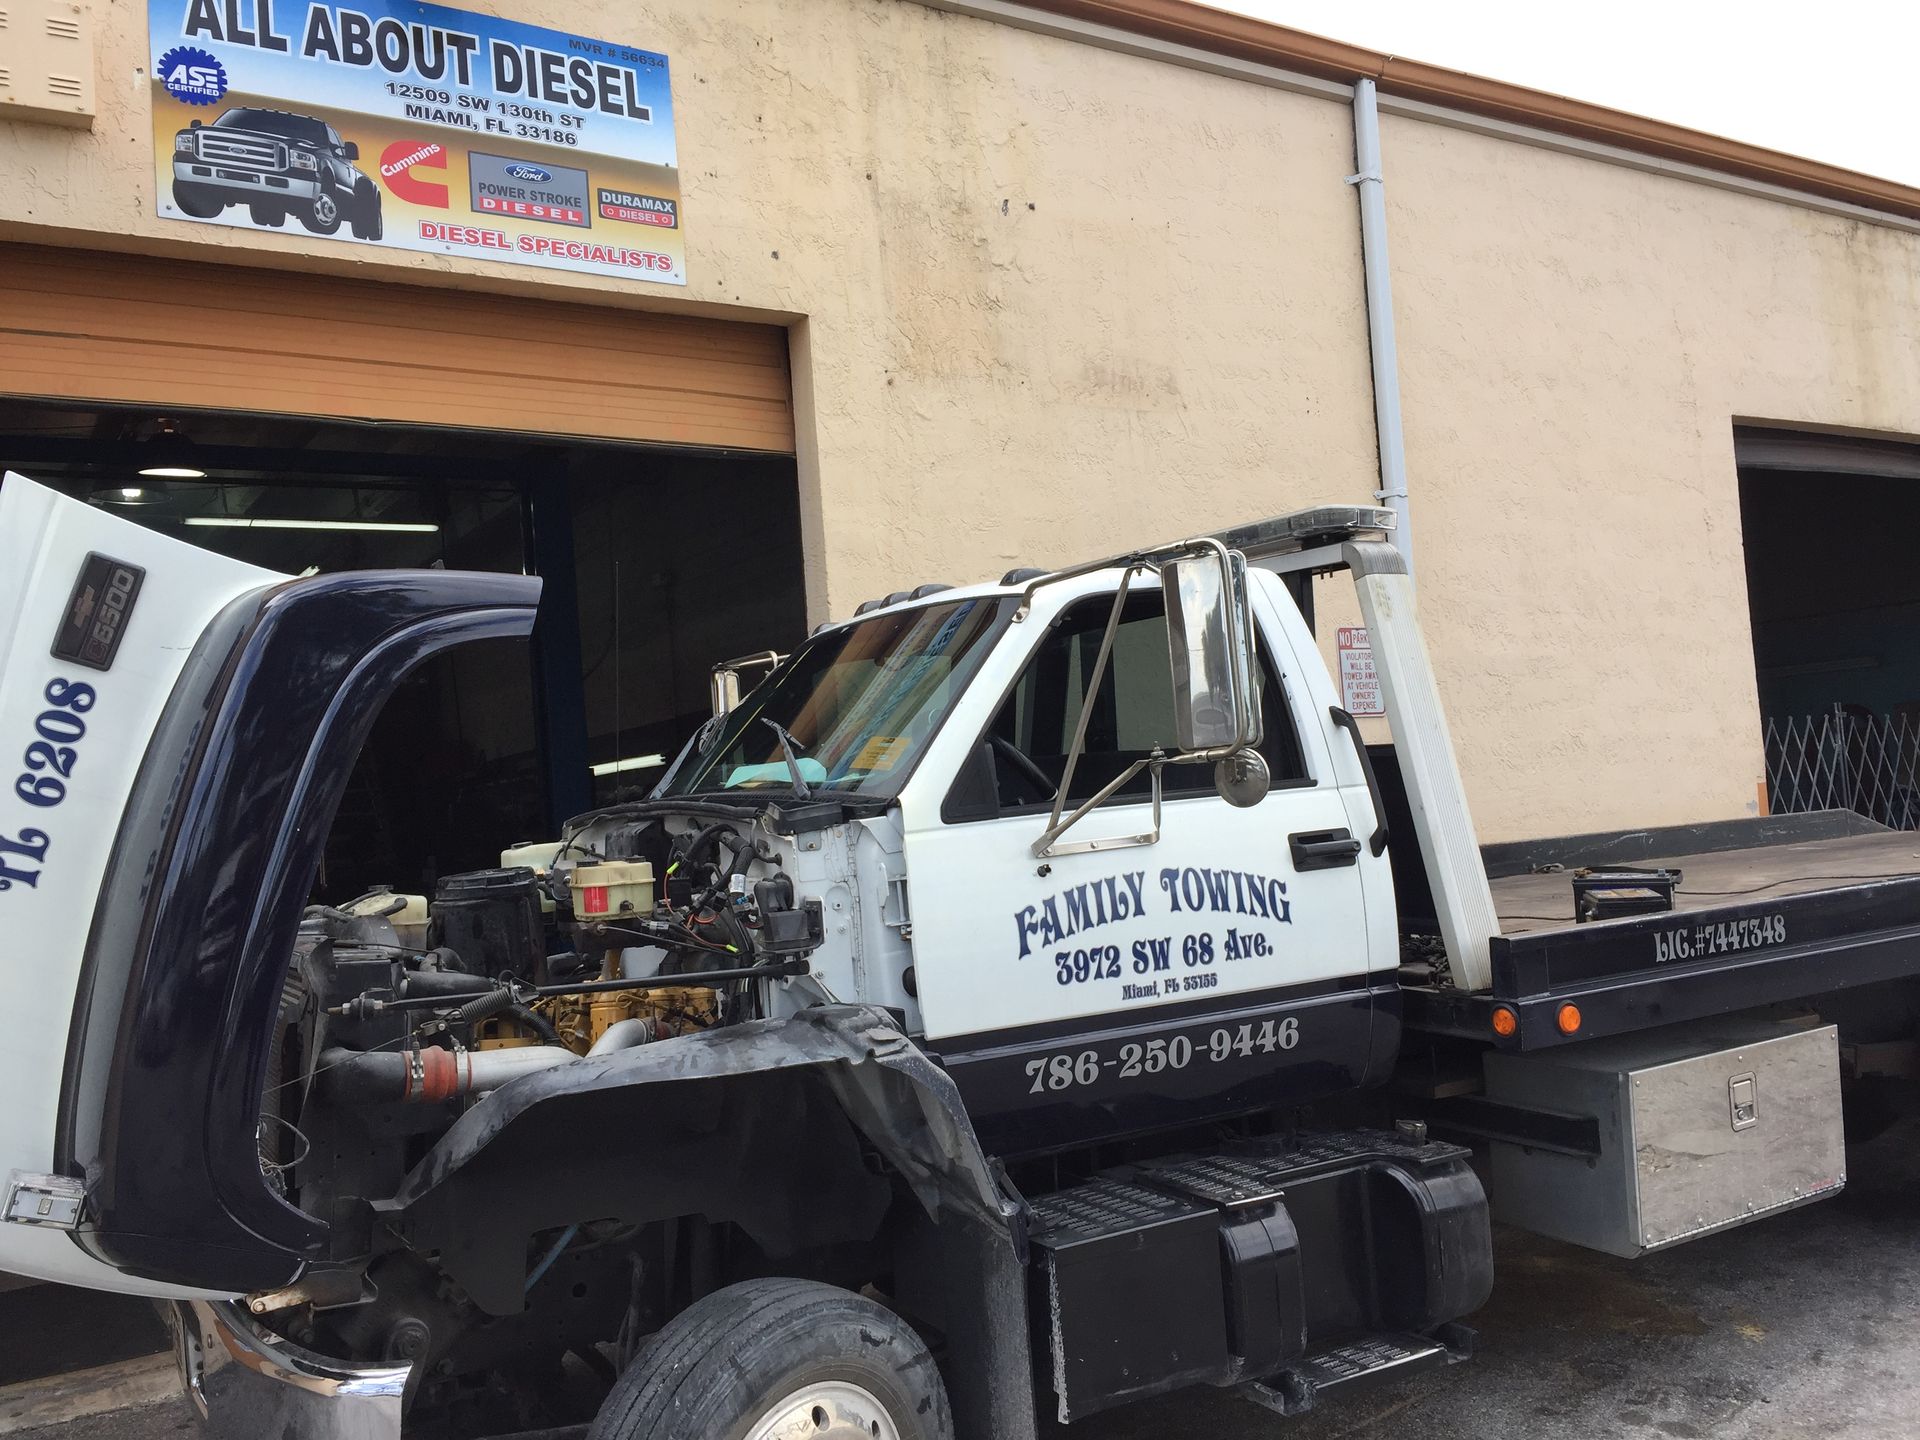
{"x": 831, "y": 1410}
{"x": 324, "y": 210}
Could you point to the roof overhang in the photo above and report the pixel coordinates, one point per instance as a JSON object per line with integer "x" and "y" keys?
{"x": 1203, "y": 29}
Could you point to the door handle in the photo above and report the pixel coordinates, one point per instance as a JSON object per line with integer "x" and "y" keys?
{"x": 1378, "y": 841}
{"x": 1323, "y": 849}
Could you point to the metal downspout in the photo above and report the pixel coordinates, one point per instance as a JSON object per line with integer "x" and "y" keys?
{"x": 1380, "y": 335}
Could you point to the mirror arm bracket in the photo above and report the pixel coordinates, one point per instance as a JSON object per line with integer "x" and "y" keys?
{"x": 1248, "y": 730}
{"x": 1047, "y": 845}
{"x": 1087, "y": 696}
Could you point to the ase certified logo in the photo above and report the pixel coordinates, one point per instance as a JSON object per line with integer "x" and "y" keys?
{"x": 192, "y": 75}
{"x": 523, "y": 171}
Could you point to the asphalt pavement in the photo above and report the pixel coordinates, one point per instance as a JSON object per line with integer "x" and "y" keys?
{"x": 1803, "y": 1325}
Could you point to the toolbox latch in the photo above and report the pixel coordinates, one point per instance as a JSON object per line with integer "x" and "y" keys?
{"x": 1743, "y": 1101}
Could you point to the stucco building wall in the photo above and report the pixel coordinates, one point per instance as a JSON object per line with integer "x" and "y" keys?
{"x": 1577, "y": 340}
{"x": 1047, "y": 299}
{"x": 1050, "y": 298}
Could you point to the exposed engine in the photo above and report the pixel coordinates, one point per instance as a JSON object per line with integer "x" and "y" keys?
{"x": 401, "y": 1014}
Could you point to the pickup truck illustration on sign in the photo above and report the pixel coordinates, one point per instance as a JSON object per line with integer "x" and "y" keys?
{"x": 276, "y": 164}
{"x": 417, "y": 127}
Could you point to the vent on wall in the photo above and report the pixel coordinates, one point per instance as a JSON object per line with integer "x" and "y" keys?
{"x": 50, "y": 63}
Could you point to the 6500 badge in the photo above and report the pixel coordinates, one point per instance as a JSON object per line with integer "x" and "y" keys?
{"x": 49, "y": 762}
{"x": 97, "y": 612}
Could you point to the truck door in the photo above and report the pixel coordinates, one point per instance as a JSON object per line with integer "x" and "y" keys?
{"x": 1229, "y": 960}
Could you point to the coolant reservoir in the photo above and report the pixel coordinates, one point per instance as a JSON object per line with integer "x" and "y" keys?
{"x": 409, "y": 922}
{"x": 619, "y": 887}
{"x": 535, "y": 855}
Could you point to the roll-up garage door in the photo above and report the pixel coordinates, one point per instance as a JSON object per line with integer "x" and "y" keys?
{"x": 80, "y": 324}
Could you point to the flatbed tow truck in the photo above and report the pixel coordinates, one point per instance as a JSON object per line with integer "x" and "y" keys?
{"x": 1025, "y": 998}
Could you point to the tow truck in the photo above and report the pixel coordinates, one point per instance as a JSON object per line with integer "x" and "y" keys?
{"x": 1019, "y": 1000}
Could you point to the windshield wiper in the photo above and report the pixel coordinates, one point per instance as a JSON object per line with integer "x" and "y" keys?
{"x": 801, "y": 790}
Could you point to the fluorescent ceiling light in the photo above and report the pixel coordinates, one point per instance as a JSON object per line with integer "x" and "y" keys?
{"x": 632, "y": 762}
{"x": 173, "y": 472}
{"x": 247, "y": 522}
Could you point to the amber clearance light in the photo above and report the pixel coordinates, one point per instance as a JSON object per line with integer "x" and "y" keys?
{"x": 1505, "y": 1022}
{"x": 1568, "y": 1019}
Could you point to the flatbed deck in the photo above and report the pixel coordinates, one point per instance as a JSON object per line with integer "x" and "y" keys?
{"x": 1530, "y": 903}
{"x": 1822, "y": 906}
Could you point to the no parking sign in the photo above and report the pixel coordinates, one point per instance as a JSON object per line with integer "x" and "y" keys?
{"x": 1359, "y": 681}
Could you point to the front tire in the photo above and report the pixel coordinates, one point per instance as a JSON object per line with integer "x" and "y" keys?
{"x": 269, "y": 215}
{"x": 197, "y": 201}
{"x": 323, "y": 216}
{"x": 366, "y": 213}
{"x": 770, "y": 1358}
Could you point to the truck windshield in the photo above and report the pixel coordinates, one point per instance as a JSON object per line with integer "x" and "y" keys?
{"x": 274, "y": 122}
{"x": 858, "y": 704}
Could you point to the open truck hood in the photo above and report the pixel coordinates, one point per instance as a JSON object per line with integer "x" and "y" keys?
{"x": 175, "y": 732}
{"x": 97, "y": 619}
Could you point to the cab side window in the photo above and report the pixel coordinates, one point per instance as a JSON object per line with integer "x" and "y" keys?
{"x": 1133, "y": 711}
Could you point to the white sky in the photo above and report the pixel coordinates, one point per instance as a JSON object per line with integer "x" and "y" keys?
{"x": 1832, "y": 80}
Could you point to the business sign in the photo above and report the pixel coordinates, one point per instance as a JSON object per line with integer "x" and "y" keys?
{"x": 417, "y": 127}
{"x": 1359, "y": 681}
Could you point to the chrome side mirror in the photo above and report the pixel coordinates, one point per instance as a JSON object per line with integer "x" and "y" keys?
{"x": 1216, "y": 695}
{"x": 724, "y": 682}
{"x": 1210, "y": 644}
{"x": 1243, "y": 778}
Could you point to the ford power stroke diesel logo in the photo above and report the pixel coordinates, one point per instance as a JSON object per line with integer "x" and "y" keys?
{"x": 192, "y": 75}
{"x": 523, "y": 171}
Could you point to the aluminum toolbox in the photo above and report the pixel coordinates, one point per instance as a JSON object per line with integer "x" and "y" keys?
{"x": 1700, "y": 1129}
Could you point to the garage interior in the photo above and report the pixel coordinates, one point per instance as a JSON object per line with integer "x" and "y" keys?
{"x": 640, "y": 462}
{"x": 1829, "y": 525}
{"x": 498, "y": 741}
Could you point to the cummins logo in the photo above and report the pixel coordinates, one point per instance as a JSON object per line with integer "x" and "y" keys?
{"x": 534, "y": 173}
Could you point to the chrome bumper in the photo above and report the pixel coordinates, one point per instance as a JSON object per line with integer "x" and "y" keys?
{"x": 238, "y": 180}
{"x": 249, "y": 1384}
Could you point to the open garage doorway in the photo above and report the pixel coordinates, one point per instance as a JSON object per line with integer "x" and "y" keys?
{"x": 1830, "y": 526}
{"x": 658, "y": 561}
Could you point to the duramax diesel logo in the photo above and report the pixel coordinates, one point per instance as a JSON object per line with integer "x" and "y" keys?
{"x": 503, "y": 186}
{"x": 639, "y": 209}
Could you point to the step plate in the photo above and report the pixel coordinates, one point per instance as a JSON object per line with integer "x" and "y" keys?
{"x": 1377, "y": 1358}
{"x": 1262, "y": 1170}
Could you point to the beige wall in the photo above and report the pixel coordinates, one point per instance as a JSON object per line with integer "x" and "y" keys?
{"x": 1048, "y": 300}
{"x": 1577, "y": 339}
